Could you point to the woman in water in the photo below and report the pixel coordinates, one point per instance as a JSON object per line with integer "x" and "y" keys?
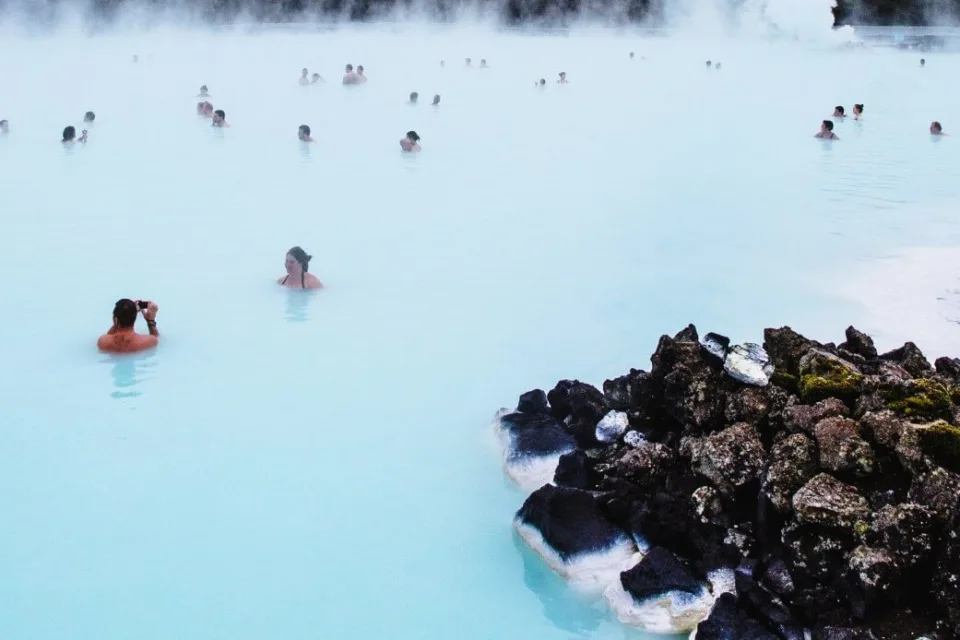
{"x": 304, "y": 133}
{"x": 70, "y": 135}
{"x": 857, "y": 111}
{"x": 297, "y": 263}
{"x": 410, "y": 142}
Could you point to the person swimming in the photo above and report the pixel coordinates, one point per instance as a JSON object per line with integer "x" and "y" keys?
{"x": 121, "y": 338}
{"x": 542, "y": 84}
{"x": 410, "y": 142}
{"x": 717, "y": 66}
{"x": 413, "y": 97}
{"x": 442, "y": 64}
{"x": 436, "y": 100}
{"x": 297, "y": 263}
{"x": 350, "y": 76}
{"x": 304, "y": 133}
{"x": 4, "y": 127}
{"x": 316, "y": 78}
{"x": 362, "y": 78}
{"x": 304, "y": 80}
{"x": 89, "y": 117}
{"x": 204, "y": 92}
{"x": 632, "y": 54}
{"x": 936, "y": 129}
{"x": 483, "y": 63}
{"x": 857, "y": 111}
{"x": 468, "y": 62}
{"x": 826, "y": 131}
{"x": 70, "y": 135}
{"x": 709, "y": 64}
{"x": 205, "y": 109}
{"x": 923, "y": 62}
{"x": 219, "y": 119}
{"x": 838, "y": 112}
{"x": 563, "y": 78}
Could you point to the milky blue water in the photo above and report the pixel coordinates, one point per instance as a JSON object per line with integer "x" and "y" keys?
{"x": 290, "y": 465}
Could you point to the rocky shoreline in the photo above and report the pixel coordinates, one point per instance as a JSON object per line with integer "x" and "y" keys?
{"x": 789, "y": 491}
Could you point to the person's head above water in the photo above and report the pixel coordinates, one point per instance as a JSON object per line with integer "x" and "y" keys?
{"x": 69, "y": 133}
{"x": 412, "y": 135}
{"x": 632, "y": 54}
{"x": 563, "y": 75}
{"x": 4, "y": 126}
{"x": 483, "y": 62}
{"x": 89, "y": 116}
{"x": 348, "y": 68}
{"x": 304, "y": 72}
{"x": 297, "y": 263}
{"x": 436, "y": 99}
{"x": 468, "y": 61}
{"x": 936, "y": 128}
{"x": 360, "y": 69}
{"x": 125, "y": 313}
{"x": 543, "y": 82}
{"x": 922, "y": 61}
{"x": 203, "y": 90}
{"x": 304, "y": 133}
{"x": 857, "y": 109}
{"x": 826, "y": 126}
{"x": 316, "y": 77}
{"x": 709, "y": 63}
{"x": 838, "y": 111}
{"x": 413, "y": 96}
{"x": 219, "y": 118}
{"x": 717, "y": 66}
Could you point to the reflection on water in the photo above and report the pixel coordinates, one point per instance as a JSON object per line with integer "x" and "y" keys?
{"x": 305, "y": 150}
{"x": 130, "y": 370}
{"x": 298, "y": 304}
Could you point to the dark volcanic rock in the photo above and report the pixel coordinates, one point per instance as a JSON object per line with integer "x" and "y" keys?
{"x": 690, "y": 387}
{"x": 660, "y": 571}
{"x": 631, "y": 390}
{"x": 832, "y": 489}
{"x": 859, "y": 343}
{"x": 575, "y": 470}
{"x": 826, "y": 501}
{"x": 570, "y": 521}
{"x": 906, "y": 531}
{"x": 731, "y": 458}
{"x": 804, "y": 417}
{"x": 910, "y": 358}
{"x": 842, "y": 449}
{"x": 793, "y": 461}
{"x": 533, "y": 402}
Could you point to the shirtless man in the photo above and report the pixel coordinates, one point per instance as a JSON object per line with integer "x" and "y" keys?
{"x": 304, "y": 80}
{"x": 219, "y": 119}
{"x": 563, "y": 78}
{"x": 360, "y": 77}
{"x": 303, "y": 133}
{"x": 410, "y": 142}
{"x": 826, "y": 131}
{"x": 121, "y": 338}
{"x": 350, "y": 76}
{"x": 204, "y": 92}
{"x": 936, "y": 129}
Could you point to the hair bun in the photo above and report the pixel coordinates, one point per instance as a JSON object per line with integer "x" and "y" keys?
{"x": 309, "y": 257}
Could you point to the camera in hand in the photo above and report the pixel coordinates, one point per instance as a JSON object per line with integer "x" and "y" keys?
{"x": 142, "y": 304}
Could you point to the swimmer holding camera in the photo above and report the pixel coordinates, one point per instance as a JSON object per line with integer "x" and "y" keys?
{"x": 121, "y": 338}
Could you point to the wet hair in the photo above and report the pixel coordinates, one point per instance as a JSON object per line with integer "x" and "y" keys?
{"x": 303, "y": 259}
{"x": 923, "y": 61}
{"x": 69, "y": 133}
{"x": 436, "y": 99}
{"x": 562, "y": 73}
{"x": 125, "y": 312}
{"x": 839, "y": 109}
{"x": 203, "y": 87}
{"x": 349, "y": 67}
{"x": 360, "y": 68}
{"x": 413, "y": 136}
{"x": 219, "y": 112}
{"x": 413, "y": 96}
{"x": 543, "y": 81}
{"x": 89, "y": 116}
{"x": 305, "y": 71}
{"x": 858, "y": 108}
{"x": 631, "y": 54}
{"x": 936, "y": 125}
{"x": 305, "y": 130}
{"x": 828, "y": 124}
{"x": 468, "y": 61}
{"x": 3, "y": 123}
{"x": 709, "y": 63}
{"x": 483, "y": 61}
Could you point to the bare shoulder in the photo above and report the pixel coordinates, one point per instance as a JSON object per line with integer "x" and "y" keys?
{"x": 312, "y": 282}
{"x": 104, "y": 343}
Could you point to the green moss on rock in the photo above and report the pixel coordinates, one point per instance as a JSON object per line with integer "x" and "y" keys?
{"x": 833, "y": 382}
{"x": 941, "y": 441}
{"x": 922, "y": 398}
{"x": 785, "y": 381}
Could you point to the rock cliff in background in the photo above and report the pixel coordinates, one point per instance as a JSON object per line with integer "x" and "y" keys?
{"x": 790, "y": 488}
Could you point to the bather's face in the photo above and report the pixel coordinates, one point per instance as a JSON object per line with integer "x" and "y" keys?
{"x": 291, "y": 264}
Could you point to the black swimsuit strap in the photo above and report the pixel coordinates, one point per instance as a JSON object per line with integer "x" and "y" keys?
{"x": 284, "y": 281}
